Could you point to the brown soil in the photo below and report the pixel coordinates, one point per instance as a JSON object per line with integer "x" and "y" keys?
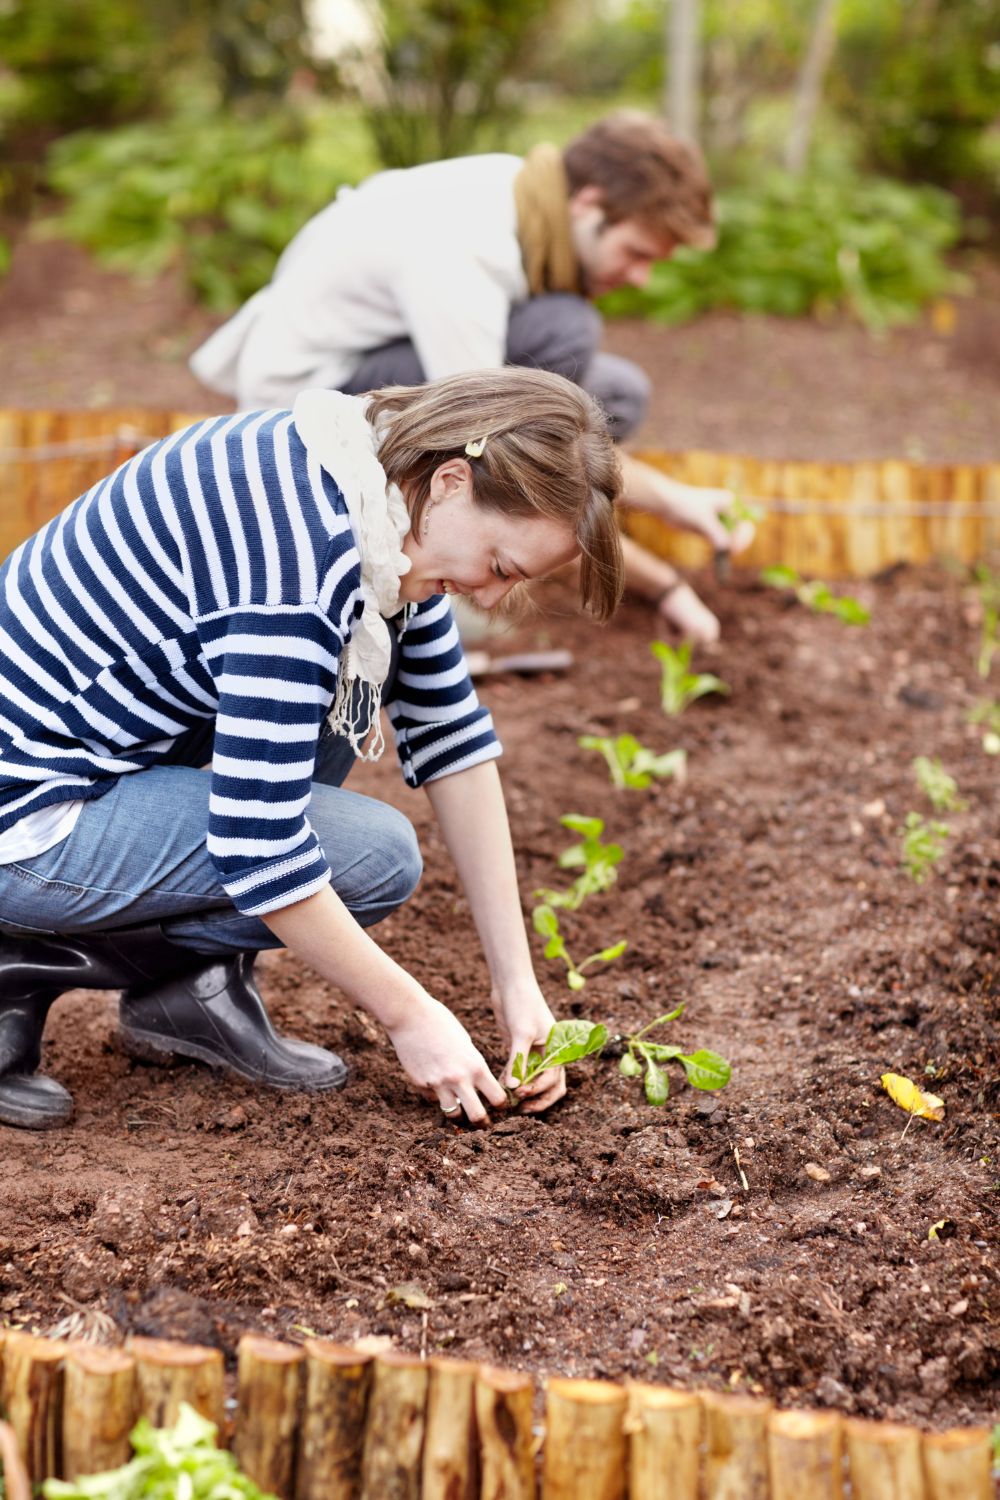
{"x": 74, "y": 335}
{"x": 609, "y": 1237}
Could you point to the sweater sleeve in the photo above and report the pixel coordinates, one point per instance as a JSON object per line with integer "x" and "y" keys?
{"x": 439, "y": 724}
{"x": 455, "y": 310}
{"x": 275, "y": 669}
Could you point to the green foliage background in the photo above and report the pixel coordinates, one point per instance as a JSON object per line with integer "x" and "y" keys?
{"x": 211, "y": 136}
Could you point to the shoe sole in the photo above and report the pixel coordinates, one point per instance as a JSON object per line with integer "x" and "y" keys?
{"x": 21, "y": 1117}
{"x": 146, "y": 1046}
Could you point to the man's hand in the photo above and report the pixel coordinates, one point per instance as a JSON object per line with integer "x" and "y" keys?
{"x": 525, "y": 1020}
{"x": 698, "y": 509}
{"x": 692, "y": 620}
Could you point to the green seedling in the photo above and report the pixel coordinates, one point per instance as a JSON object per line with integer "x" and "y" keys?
{"x": 170, "y": 1462}
{"x": 923, "y": 845}
{"x": 643, "y": 1058}
{"x": 599, "y": 863}
{"x": 987, "y": 713}
{"x": 567, "y": 1042}
{"x": 817, "y": 596}
{"x": 988, "y": 588}
{"x": 940, "y": 789}
{"x": 740, "y": 510}
{"x": 679, "y": 687}
{"x": 631, "y": 764}
{"x": 546, "y": 924}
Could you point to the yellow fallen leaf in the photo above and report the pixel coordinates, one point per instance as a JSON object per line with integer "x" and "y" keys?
{"x": 904, "y": 1092}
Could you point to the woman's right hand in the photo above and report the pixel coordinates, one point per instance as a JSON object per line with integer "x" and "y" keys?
{"x": 439, "y": 1056}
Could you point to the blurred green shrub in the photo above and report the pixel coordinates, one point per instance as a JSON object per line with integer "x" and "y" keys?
{"x": 865, "y": 245}
{"x": 66, "y": 64}
{"x": 443, "y": 84}
{"x": 217, "y": 195}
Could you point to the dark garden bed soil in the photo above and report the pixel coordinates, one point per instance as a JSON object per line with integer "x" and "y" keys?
{"x": 610, "y": 1238}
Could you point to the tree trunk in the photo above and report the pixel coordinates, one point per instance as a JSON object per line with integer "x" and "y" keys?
{"x": 683, "y": 69}
{"x": 810, "y": 85}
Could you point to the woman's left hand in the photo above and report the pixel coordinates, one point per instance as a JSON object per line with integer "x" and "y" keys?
{"x": 525, "y": 1019}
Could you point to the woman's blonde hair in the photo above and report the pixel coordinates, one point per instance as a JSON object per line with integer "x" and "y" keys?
{"x": 547, "y": 453}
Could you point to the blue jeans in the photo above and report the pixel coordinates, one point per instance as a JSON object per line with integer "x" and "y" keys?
{"x": 137, "y": 855}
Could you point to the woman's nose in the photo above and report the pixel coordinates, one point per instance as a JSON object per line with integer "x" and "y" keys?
{"x": 490, "y": 596}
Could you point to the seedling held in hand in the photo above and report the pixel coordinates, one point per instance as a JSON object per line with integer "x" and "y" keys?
{"x": 740, "y": 510}
{"x": 679, "y": 687}
{"x": 923, "y": 845}
{"x": 631, "y": 764}
{"x": 940, "y": 789}
{"x": 546, "y": 924}
{"x": 705, "y": 1070}
{"x": 567, "y": 1042}
{"x": 599, "y": 863}
{"x": 817, "y": 596}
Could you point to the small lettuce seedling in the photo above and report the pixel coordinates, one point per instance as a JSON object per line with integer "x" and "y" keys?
{"x": 546, "y": 924}
{"x": 940, "y": 789}
{"x": 599, "y": 863}
{"x": 817, "y": 596}
{"x": 679, "y": 687}
{"x": 987, "y": 713}
{"x": 740, "y": 510}
{"x": 631, "y": 764}
{"x": 567, "y": 1042}
{"x": 704, "y": 1069}
{"x": 923, "y": 845}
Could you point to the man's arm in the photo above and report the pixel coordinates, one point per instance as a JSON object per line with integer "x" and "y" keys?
{"x": 689, "y": 506}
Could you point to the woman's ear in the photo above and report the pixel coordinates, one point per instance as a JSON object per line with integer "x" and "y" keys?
{"x": 450, "y": 479}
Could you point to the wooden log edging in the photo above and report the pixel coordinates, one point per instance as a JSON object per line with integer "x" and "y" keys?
{"x": 329, "y": 1422}
{"x": 828, "y": 520}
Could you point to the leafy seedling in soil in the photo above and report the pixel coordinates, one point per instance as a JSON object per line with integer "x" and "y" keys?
{"x": 631, "y": 764}
{"x": 923, "y": 845}
{"x": 940, "y": 789}
{"x": 643, "y": 1058}
{"x": 599, "y": 863}
{"x": 546, "y": 924}
{"x": 567, "y": 1042}
{"x": 817, "y": 596}
{"x": 988, "y": 587}
{"x": 680, "y": 687}
{"x": 987, "y": 713}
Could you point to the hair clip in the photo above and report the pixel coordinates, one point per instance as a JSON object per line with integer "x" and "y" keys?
{"x": 475, "y": 447}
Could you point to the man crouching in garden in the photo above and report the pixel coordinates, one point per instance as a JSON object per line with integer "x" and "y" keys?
{"x": 480, "y": 261}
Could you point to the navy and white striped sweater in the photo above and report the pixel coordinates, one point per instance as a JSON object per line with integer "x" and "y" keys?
{"x": 215, "y": 575}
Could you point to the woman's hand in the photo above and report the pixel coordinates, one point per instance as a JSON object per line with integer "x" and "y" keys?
{"x": 525, "y": 1019}
{"x": 439, "y": 1056}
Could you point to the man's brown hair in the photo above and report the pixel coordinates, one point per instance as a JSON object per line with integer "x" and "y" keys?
{"x": 644, "y": 173}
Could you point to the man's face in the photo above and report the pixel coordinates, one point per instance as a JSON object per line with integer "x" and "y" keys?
{"x": 613, "y": 255}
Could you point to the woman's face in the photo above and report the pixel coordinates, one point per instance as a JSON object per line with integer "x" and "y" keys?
{"x": 464, "y": 549}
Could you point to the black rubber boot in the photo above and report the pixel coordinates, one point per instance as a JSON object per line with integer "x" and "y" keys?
{"x": 34, "y": 972}
{"x": 216, "y": 1016}
{"x": 176, "y": 1001}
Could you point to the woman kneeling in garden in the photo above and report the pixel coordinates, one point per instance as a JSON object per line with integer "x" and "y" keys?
{"x": 191, "y": 657}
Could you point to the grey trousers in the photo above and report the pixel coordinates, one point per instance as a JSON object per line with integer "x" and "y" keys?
{"x": 558, "y": 332}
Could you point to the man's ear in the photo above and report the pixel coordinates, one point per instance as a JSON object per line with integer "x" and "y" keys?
{"x": 586, "y": 198}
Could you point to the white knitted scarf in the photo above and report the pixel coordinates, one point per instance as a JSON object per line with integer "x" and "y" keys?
{"x": 336, "y": 432}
